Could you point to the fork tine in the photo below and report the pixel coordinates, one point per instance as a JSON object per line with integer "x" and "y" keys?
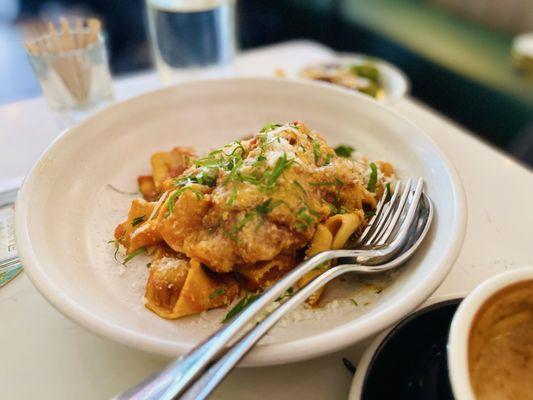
{"x": 379, "y": 210}
{"x": 410, "y": 214}
{"x": 391, "y": 210}
{"x": 392, "y": 223}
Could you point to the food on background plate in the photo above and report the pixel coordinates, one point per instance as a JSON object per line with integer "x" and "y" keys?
{"x": 363, "y": 77}
{"x": 229, "y": 224}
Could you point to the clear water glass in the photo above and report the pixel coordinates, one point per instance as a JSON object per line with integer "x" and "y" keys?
{"x": 191, "y": 36}
{"x": 76, "y": 93}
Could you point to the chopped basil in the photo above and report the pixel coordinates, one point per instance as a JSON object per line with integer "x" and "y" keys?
{"x": 344, "y": 151}
{"x": 218, "y": 292}
{"x": 388, "y": 195}
{"x": 240, "y": 306}
{"x": 265, "y": 207}
{"x": 317, "y": 151}
{"x": 206, "y": 178}
{"x": 239, "y": 225}
{"x": 269, "y": 127}
{"x": 288, "y": 293}
{"x": 304, "y": 219}
{"x": 373, "y": 177}
{"x": 116, "y": 244}
{"x": 354, "y": 302}
{"x": 137, "y": 220}
{"x": 136, "y": 253}
{"x": 121, "y": 191}
{"x": 328, "y": 183}
{"x": 261, "y": 209}
{"x": 174, "y": 196}
{"x": 369, "y": 214}
{"x": 233, "y": 195}
{"x": 322, "y": 267}
{"x": 254, "y": 180}
{"x": 148, "y": 265}
{"x": 281, "y": 164}
{"x": 299, "y": 186}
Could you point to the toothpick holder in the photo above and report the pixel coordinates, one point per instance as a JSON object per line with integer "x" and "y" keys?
{"x": 72, "y": 69}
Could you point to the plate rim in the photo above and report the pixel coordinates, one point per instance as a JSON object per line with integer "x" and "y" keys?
{"x": 269, "y": 354}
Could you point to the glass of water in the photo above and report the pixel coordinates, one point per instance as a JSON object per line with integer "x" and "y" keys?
{"x": 191, "y": 36}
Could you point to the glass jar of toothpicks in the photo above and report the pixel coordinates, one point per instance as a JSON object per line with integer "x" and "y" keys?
{"x": 71, "y": 65}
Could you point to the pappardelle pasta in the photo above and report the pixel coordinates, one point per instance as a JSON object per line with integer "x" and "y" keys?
{"x": 229, "y": 224}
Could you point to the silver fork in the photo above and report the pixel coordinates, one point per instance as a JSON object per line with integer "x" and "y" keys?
{"x": 216, "y": 373}
{"x": 384, "y": 238}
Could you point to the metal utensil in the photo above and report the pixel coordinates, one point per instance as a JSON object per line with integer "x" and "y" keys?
{"x": 385, "y": 238}
{"x": 10, "y": 266}
{"x": 218, "y": 371}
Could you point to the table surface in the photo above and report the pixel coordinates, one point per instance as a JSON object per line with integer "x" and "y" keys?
{"x": 45, "y": 355}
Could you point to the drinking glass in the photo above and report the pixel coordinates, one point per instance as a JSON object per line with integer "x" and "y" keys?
{"x": 191, "y": 36}
{"x": 75, "y": 83}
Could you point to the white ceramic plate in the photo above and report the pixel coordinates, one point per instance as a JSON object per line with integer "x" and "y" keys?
{"x": 395, "y": 82}
{"x": 66, "y": 211}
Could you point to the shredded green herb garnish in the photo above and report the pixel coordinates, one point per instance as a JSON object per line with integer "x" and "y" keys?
{"x": 254, "y": 180}
{"x": 373, "y": 177}
{"x": 281, "y": 164}
{"x": 288, "y": 293}
{"x": 137, "y": 220}
{"x": 121, "y": 191}
{"x": 328, "y": 183}
{"x": 148, "y": 265}
{"x": 233, "y": 195}
{"x": 116, "y": 243}
{"x": 304, "y": 219}
{"x": 299, "y": 186}
{"x": 174, "y": 196}
{"x": 317, "y": 151}
{"x": 240, "y": 306}
{"x": 261, "y": 209}
{"x": 136, "y": 253}
{"x": 218, "y": 292}
{"x": 344, "y": 151}
{"x": 206, "y": 178}
{"x": 269, "y": 127}
{"x": 322, "y": 267}
{"x": 239, "y": 225}
{"x": 388, "y": 195}
{"x": 354, "y": 302}
{"x": 369, "y": 214}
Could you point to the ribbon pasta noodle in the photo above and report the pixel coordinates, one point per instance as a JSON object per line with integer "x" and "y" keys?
{"x": 236, "y": 220}
{"x": 333, "y": 234}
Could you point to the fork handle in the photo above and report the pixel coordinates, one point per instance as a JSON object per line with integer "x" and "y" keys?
{"x": 178, "y": 375}
{"x": 217, "y": 372}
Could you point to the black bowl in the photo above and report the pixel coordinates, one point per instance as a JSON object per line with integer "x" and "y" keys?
{"x": 411, "y": 361}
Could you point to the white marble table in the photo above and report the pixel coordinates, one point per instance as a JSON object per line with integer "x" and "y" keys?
{"x": 44, "y": 355}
